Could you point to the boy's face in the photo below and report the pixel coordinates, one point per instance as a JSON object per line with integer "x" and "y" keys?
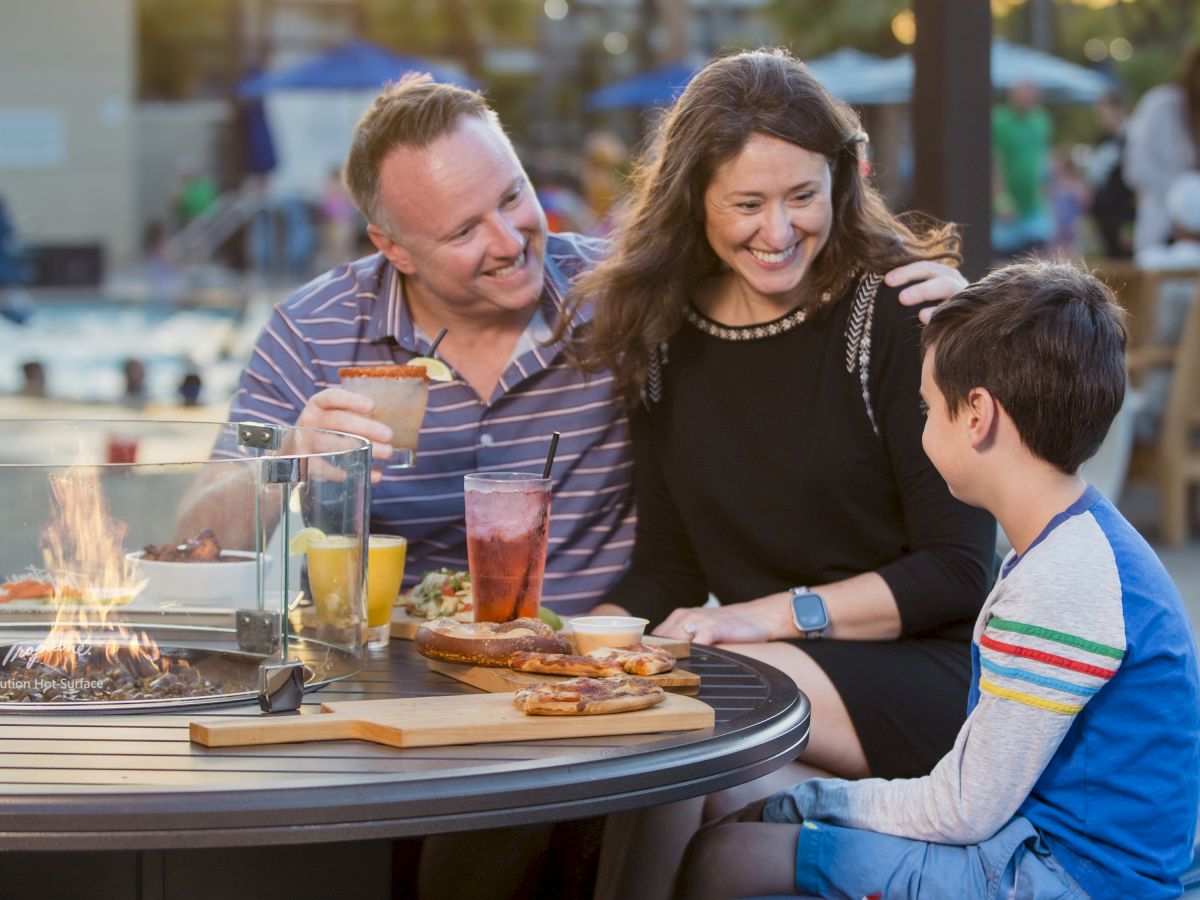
{"x": 945, "y": 440}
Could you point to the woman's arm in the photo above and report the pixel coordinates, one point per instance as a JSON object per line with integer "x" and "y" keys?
{"x": 663, "y": 572}
{"x": 861, "y": 608}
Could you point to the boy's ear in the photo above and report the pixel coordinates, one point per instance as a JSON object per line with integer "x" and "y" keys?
{"x": 392, "y": 251}
{"x": 982, "y": 414}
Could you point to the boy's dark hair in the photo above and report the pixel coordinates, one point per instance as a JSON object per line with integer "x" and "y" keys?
{"x": 1048, "y": 342}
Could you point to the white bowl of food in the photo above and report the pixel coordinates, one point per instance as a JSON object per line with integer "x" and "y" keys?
{"x": 593, "y": 632}
{"x": 229, "y": 581}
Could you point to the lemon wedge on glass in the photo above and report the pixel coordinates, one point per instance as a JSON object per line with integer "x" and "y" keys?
{"x": 302, "y": 538}
{"x": 434, "y": 368}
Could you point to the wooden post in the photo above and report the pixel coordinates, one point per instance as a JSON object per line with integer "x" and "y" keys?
{"x": 951, "y": 109}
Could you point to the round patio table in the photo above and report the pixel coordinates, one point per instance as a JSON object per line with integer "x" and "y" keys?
{"x": 136, "y": 783}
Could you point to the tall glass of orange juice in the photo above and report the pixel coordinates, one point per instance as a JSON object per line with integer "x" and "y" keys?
{"x": 385, "y": 572}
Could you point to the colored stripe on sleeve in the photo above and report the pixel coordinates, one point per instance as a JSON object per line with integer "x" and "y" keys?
{"x": 1034, "y": 678}
{"x": 1048, "y": 658}
{"x": 995, "y": 690}
{"x": 1060, "y": 637}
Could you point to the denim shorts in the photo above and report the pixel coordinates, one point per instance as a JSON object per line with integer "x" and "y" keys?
{"x": 832, "y": 861}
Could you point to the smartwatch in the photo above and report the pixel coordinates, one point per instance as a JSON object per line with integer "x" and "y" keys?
{"x": 809, "y": 614}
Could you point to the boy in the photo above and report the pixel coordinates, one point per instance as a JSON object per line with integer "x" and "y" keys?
{"x": 1075, "y": 773}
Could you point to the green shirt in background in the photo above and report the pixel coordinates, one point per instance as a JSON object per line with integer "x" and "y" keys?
{"x": 199, "y": 193}
{"x": 1021, "y": 144}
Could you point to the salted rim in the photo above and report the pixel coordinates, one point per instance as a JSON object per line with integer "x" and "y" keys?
{"x": 384, "y": 372}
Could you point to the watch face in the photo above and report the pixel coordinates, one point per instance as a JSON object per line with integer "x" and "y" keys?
{"x": 809, "y": 610}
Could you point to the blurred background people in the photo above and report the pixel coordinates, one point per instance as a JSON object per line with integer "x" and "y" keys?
{"x": 558, "y": 193}
{"x": 135, "y": 383}
{"x": 1069, "y": 202}
{"x": 604, "y": 156}
{"x": 189, "y": 389}
{"x": 1183, "y": 214}
{"x": 197, "y": 191}
{"x": 339, "y": 221}
{"x": 164, "y": 279}
{"x": 1113, "y": 206}
{"x": 1021, "y": 133}
{"x": 1175, "y": 295}
{"x": 33, "y": 375}
{"x": 1163, "y": 143}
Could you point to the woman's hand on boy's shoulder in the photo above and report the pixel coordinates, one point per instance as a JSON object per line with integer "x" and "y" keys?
{"x": 926, "y": 282}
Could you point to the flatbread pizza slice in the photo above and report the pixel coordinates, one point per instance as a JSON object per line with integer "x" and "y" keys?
{"x": 587, "y": 696}
{"x": 637, "y": 659}
{"x": 563, "y": 664}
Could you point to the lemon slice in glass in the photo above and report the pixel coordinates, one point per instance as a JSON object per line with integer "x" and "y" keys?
{"x": 434, "y": 368}
{"x": 302, "y": 538}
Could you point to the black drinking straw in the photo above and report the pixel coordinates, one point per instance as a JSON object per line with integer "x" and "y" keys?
{"x": 550, "y": 455}
{"x": 437, "y": 340}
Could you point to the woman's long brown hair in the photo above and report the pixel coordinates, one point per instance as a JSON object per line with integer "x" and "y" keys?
{"x": 660, "y": 254}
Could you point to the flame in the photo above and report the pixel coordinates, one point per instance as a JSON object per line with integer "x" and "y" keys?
{"x": 83, "y": 550}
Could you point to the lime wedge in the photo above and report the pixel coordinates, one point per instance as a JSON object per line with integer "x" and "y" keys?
{"x": 302, "y": 538}
{"x": 434, "y": 368}
{"x": 550, "y": 617}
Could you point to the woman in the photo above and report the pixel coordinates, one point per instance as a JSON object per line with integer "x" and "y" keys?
{"x": 1163, "y": 142}
{"x": 772, "y": 381}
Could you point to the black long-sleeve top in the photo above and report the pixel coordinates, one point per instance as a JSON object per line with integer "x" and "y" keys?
{"x": 759, "y": 469}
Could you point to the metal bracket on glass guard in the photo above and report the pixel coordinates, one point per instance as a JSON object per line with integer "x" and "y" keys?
{"x": 258, "y": 437}
{"x": 257, "y": 631}
{"x": 280, "y": 686}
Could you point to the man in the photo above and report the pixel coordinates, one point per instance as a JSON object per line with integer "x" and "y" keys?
{"x": 1021, "y": 132}
{"x": 463, "y": 245}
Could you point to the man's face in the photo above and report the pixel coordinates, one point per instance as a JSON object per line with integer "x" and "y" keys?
{"x": 1024, "y": 96}
{"x": 466, "y": 228}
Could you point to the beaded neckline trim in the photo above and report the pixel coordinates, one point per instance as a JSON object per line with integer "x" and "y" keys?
{"x": 749, "y": 332}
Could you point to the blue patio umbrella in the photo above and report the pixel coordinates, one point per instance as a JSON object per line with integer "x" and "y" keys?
{"x": 659, "y": 87}
{"x": 257, "y": 146}
{"x": 358, "y": 65}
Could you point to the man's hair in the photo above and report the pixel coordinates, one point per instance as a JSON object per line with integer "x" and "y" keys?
{"x": 1048, "y": 342}
{"x": 412, "y": 112}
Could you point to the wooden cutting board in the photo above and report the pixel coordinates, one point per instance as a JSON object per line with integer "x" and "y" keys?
{"x": 440, "y": 721}
{"x": 496, "y": 680}
{"x": 404, "y": 626}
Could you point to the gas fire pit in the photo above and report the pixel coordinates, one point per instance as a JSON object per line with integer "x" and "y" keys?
{"x": 79, "y": 629}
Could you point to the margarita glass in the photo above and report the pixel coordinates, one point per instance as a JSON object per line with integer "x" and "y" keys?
{"x": 399, "y": 394}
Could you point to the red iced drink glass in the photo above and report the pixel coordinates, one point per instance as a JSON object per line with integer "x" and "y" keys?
{"x": 508, "y": 520}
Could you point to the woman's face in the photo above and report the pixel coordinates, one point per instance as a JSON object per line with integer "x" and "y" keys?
{"x": 768, "y": 213}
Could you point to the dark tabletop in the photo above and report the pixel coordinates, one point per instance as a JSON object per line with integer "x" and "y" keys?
{"x": 135, "y": 782}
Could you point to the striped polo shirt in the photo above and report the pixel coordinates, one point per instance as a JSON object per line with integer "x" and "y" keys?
{"x": 357, "y": 315}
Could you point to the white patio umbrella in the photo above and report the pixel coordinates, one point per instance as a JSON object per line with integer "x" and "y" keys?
{"x": 889, "y": 81}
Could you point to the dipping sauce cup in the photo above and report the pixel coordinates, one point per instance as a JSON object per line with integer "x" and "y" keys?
{"x": 593, "y": 632}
